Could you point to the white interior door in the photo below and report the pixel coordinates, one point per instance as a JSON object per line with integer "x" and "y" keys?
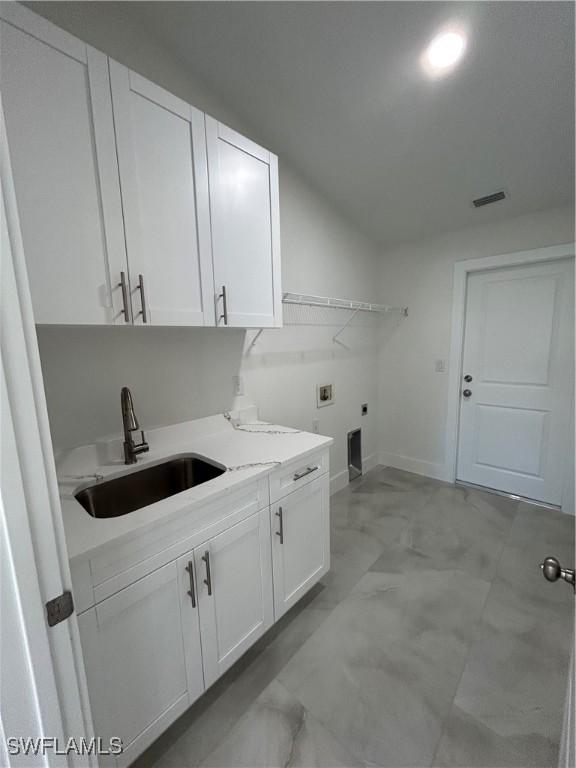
{"x": 516, "y": 411}
{"x": 235, "y": 592}
{"x": 56, "y": 95}
{"x": 163, "y": 173}
{"x": 245, "y": 229}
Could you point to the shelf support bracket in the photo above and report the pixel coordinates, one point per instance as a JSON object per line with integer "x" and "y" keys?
{"x": 346, "y": 324}
{"x": 254, "y": 340}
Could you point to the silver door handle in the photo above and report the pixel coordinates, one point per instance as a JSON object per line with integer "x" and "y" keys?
{"x": 280, "y": 532}
{"x": 224, "y": 315}
{"x": 191, "y": 591}
{"x": 144, "y": 310}
{"x": 553, "y": 571}
{"x": 122, "y": 284}
{"x": 307, "y": 471}
{"x": 208, "y": 579}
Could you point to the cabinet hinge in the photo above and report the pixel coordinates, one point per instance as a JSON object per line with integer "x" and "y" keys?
{"x": 60, "y": 608}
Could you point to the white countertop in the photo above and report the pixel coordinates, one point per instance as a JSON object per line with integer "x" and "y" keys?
{"x": 266, "y": 446}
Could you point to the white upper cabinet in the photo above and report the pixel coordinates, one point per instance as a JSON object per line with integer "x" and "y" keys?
{"x": 164, "y": 183}
{"x": 245, "y": 219}
{"x": 56, "y": 97}
{"x": 134, "y": 206}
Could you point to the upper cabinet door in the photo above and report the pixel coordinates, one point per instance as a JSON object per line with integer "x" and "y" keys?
{"x": 164, "y": 182}
{"x": 56, "y": 96}
{"x": 245, "y": 219}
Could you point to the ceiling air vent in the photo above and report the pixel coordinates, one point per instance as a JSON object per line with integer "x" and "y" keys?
{"x": 493, "y": 198}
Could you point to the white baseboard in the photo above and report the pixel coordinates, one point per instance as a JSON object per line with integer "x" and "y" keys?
{"x": 419, "y": 467}
{"x": 369, "y": 462}
{"x": 340, "y": 479}
{"x": 338, "y": 482}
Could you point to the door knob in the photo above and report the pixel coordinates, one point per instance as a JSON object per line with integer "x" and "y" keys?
{"x": 467, "y": 393}
{"x": 553, "y": 571}
{"x": 467, "y": 378}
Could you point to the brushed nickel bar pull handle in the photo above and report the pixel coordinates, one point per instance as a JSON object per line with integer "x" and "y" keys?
{"x": 122, "y": 284}
{"x": 191, "y": 592}
{"x": 144, "y": 310}
{"x": 307, "y": 471}
{"x": 224, "y": 315}
{"x": 208, "y": 579}
{"x": 280, "y": 533}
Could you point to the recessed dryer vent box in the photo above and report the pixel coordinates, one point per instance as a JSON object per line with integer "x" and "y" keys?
{"x": 325, "y": 395}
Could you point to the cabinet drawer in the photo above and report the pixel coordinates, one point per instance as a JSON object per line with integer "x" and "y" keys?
{"x": 296, "y": 474}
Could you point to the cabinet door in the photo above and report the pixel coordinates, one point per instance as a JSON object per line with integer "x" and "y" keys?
{"x": 244, "y": 207}
{"x": 235, "y": 592}
{"x": 162, "y": 158}
{"x": 300, "y": 542}
{"x": 56, "y": 97}
{"x": 135, "y": 661}
{"x": 191, "y": 626}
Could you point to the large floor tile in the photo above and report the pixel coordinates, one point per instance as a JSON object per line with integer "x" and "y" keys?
{"x": 463, "y": 529}
{"x": 513, "y": 689}
{"x": 467, "y": 743}
{"x": 382, "y": 670}
{"x": 278, "y": 732}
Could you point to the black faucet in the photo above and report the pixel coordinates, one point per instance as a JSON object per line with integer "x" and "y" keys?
{"x": 131, "y": 449}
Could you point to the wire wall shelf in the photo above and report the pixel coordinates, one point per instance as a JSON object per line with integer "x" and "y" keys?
{"x": 327, "y": 310}
{"x": 330, "y": 302}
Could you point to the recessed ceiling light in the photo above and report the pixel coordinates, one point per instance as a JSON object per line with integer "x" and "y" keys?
{"x": 444, "y": 52}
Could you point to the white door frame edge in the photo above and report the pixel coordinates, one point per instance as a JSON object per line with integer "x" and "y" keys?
{"x": 461, "y": 271}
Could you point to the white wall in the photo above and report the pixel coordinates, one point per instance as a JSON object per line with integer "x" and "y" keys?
{"x": 412, "y": 396}
{"x": 177, "y": 374}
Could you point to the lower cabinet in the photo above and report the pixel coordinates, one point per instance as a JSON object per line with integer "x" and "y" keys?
{"x": 151, "y": 649}
{"x": 301, "y": 542}
{"x": 234, "y": 592}
{"x": 135, "y": 660}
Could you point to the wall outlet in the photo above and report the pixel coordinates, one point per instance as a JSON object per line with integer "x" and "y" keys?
{"x": 316, "y": 426}
{"x": 324, "y": 395}
{"x": 364, "y": 409}
{"x": 238, "y": 385}
{"x": 440, "y": 366}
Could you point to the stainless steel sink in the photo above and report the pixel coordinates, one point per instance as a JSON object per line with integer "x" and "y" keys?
{"x": 121, "y": 495}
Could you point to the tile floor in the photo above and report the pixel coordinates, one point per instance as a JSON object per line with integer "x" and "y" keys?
{"x": 433, "y": 641}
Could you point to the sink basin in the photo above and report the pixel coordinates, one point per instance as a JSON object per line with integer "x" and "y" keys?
{"x": 139, "y": 489}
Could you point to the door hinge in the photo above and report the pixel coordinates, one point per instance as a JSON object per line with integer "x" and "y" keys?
{"x": 60, "y": 608}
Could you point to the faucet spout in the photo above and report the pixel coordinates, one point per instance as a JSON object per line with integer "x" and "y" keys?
{"x": 128, "y": 415}
{"x": 130, "y": 423}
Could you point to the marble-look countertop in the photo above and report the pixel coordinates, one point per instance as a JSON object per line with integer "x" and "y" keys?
{"x": 265, "y": 447}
